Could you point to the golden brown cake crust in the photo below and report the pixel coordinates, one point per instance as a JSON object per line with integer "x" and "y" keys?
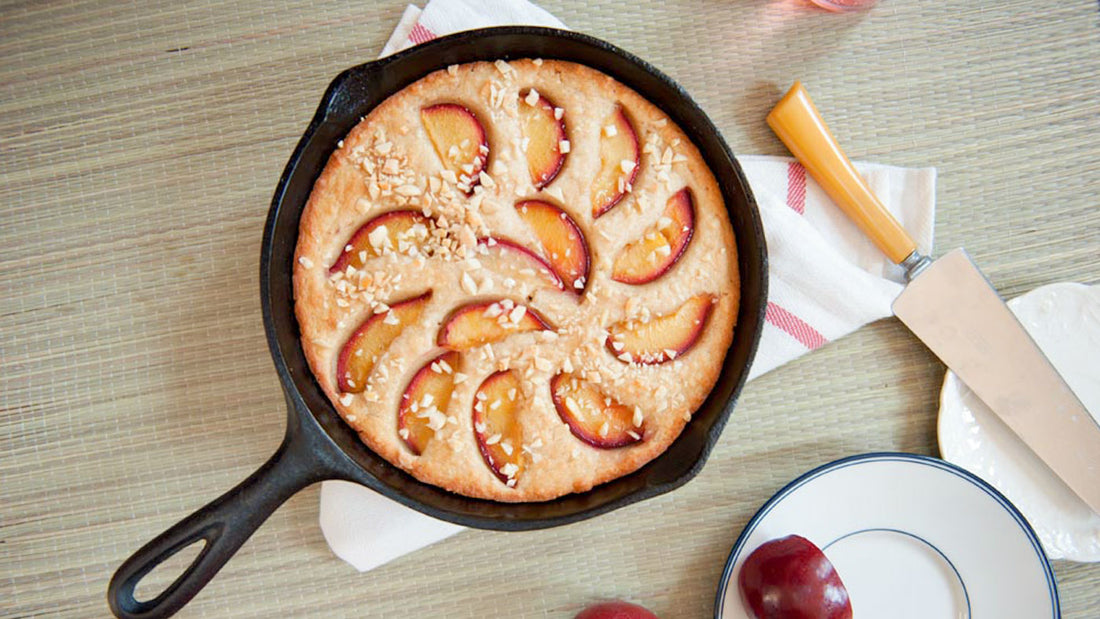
{"x": 387, "y": 163}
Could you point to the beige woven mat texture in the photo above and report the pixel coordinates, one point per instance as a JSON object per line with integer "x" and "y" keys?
{"x": 139, "y": 146}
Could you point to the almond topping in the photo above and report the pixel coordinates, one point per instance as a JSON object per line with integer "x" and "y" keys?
{"x": 468, "y": 284}
{"x": 517, "y": 314}
{"x": 574, "y": 408}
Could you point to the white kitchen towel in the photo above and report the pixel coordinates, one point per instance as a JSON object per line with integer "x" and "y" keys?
{"x": 825, "y": 279}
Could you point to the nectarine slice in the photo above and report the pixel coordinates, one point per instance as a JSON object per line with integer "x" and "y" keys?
{"x": 593, "y": 417}
{"x": 423, "y": 407}
{"x": 509, "y": 247}
{"x": 371, "y": 339}
{"x": 650, "y": 257}
{"x": 486, "y": 322}
{"x": 619, "y": 158}
{"x": 404, "y": 232}
{"x": 662, "y": 338}
{"x": 561, "y": 239}
{"x": 543, "y": 133}
{"x": 459, "y": 140}
{"x": 615, "y": 609}
{"x": 498, "y": 433}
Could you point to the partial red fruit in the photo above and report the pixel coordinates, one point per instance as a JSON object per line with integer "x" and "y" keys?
{"x": 459, "y": 140}
{"x": 619, "y": 158}
{"x": 486, "y": 322}
{"x": 662, "y": 338}
{"x": 615, "y": 610}
{"x": 594, "y": 417}
{"x": 403, "y": 232}
{"x": 790, "y": 578}
{"x": 371, "y": 339}
{"x": 514, "y": 248}
{"x": 543, "y": 132}
{"x": 423, "y": 407}
{"x": 654, "y": 254}
{"x": 499, "y": 435}
{"x": 561, "y": 239}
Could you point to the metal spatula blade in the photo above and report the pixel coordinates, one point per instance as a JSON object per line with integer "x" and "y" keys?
{"x": 955, "y": 311}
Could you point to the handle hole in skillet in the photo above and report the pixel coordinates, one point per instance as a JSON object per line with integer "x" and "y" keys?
{"x": 166, "y": 572}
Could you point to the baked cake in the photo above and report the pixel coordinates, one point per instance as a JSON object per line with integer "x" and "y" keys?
{"x": 516, "y": 280}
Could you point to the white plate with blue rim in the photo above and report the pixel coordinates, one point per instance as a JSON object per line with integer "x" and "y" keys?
{"x": 911, "y": 537}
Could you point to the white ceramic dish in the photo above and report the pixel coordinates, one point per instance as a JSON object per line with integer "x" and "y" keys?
{"x": 910, "y": 537}
{"x": 1064, "y": 319}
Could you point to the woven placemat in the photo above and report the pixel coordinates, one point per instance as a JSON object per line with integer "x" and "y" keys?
{"x": 140, "y": 147}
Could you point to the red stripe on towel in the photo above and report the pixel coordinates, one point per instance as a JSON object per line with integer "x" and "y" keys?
{"x": 419, "y": 34}
{"x": 794, "y": 326}
{"x": 796, "y": 187}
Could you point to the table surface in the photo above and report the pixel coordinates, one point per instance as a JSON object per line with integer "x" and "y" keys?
{"x": 141, "y": 143}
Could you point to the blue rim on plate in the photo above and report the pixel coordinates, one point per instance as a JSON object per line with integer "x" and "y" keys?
{"x": 738, "y": 547}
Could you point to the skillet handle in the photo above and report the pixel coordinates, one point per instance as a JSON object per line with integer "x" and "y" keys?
{"x": 222, "y": 526}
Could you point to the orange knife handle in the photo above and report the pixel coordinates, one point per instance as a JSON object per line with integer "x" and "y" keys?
{"x": 797, "y": 122}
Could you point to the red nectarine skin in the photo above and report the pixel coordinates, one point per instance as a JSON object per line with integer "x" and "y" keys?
{"x": 370, "y": 341}
{"x": 498, "y": 433}
{"x": 652, "y": 256}
{"x": 544, "y": 267}
{"x": 561, "y": 239}
{"x": 398, "y": 224}
{"x": 592, "y": 416}
{"x": 479, "y": 323}
{"x": 544, "y": 133}
{"x": 450, "y": 125}
{"x": 416, "y": 415}
{"x": 615, "y": 610}
{"x": 612, "y": 181}
{"x": 664, "y": 337}
{"x": 790, "y": 578}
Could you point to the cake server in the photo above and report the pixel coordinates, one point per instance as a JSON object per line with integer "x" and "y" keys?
{"x": 951, "y": 306}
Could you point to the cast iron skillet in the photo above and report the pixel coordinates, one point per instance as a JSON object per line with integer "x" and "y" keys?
{"x": 319, "y": 446}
